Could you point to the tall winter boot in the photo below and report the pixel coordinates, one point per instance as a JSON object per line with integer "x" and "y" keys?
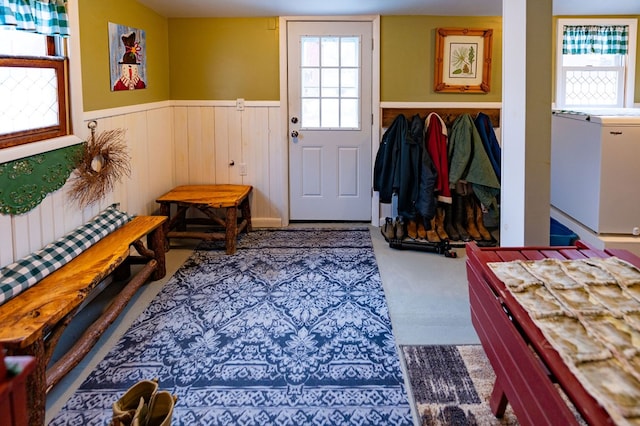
{"x": 459, "y": 217}
{"x": 422, "y": 230}
{"x": 439, "y": 222}
{"x": 469, "y": 208}
{"x": 432, "y": 234}
{"x": 399, "y": 227}
{"x": 449, "y": 227}
{"x": 484, "y": 232}
{"x": 412, "y": 229}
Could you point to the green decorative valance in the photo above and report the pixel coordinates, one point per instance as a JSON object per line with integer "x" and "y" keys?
{"x": 24, "y": 183}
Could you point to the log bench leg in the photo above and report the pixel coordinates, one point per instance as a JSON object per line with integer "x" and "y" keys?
{"x": 246, "y": 214}
{"x": 156, "y": 242}
{"x": 231, "y": 229}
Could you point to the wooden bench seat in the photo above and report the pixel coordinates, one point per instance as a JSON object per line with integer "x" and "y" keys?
{"x": 32, "y": 322}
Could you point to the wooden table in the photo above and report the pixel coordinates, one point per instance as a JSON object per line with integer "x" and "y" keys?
{"x": 525, "y": 364}
{"x": 209, "y": 199}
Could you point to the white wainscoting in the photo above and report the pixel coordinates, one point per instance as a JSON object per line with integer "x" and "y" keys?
{"x": 170, "y": 143}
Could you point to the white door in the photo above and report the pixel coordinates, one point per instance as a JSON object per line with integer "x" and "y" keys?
{"x": 329, "y": 106}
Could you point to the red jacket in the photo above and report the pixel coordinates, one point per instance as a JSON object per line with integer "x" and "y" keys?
{"x": 435, "y": 139}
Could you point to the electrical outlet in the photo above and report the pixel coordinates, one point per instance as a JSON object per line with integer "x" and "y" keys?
{"x": 240, "y": 104}
{"x": 243, "y": 169}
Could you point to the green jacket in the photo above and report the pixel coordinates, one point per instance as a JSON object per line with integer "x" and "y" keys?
{"x": 468, "y": 161}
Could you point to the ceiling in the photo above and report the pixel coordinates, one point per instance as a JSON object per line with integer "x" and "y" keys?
{"x": 256, "y": 8}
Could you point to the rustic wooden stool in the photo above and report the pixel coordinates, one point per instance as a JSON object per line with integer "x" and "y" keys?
{"x": 208, "y": 199}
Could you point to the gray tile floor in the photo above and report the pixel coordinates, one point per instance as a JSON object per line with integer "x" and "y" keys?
{"x": 426, "y": 293}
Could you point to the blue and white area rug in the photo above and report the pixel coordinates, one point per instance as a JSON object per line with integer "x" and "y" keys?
{"x": 291, "y": 330}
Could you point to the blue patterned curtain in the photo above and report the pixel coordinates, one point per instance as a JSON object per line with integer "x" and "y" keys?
{"x": 600, "y": 39}
{"x": 48, "y": 17}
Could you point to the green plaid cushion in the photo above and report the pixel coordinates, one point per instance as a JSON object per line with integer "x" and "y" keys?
{"x": 19, "y": 276}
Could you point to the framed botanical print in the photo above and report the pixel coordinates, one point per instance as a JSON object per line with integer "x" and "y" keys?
{"x": 463, "y": 60}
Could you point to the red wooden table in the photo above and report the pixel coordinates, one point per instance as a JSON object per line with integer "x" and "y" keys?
{"x": 13, "y": 390}
{"x": 525, "y": 364}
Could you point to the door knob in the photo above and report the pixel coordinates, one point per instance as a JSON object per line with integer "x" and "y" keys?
{"x": 294, "y": 120}
{"x": 294, "y": 133}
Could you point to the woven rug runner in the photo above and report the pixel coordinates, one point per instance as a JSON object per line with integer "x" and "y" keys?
{"x": 451, "y": 385}
{"x": 291, "y": 330}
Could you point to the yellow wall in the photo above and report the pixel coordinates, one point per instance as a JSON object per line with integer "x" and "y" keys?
{"x": 407, "y": 58}
{"x": 229, "y": 58}
{"x": 94, "y": 45}
{"x": 224, "y": 58}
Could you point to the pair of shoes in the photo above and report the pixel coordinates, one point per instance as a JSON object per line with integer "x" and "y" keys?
{"x": 143, "y": 405}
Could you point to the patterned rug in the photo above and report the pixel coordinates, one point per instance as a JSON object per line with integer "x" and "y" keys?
{"x": 451, "y": 385}
{"x": 291, "y": 330}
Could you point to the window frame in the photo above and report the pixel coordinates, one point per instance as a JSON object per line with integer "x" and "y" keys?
{"x": 629, "y": 62}
{"x": 60, "y": 65}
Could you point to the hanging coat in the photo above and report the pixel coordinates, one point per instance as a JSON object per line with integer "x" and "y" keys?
{"x": 399, "y": 169}
{"x": 435, "y": 140}
{"x": 425, "y": 201}
{"x": 387, "y": 159}
{"x": 489, "y": 141}
{"x": 468, "y": 161}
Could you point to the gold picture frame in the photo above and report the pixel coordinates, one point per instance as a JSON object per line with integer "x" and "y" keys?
{"x": 458, "y": 54}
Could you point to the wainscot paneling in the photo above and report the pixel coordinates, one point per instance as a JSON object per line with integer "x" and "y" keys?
{"x": 169, "y": 144}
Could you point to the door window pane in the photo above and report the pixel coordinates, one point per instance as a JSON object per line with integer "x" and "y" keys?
{"x": 330, "y": 51}
{"x": 310, "y": 51}
{"x": 311, "y": 112}
{"x": 310, "y": 82}
{"x": 349, "y": 51}
{"x": 330, "y": 82}
{"x": 349, "y": 113}
{"x": 349, "y": 83}
{"x": 330, "y": 113}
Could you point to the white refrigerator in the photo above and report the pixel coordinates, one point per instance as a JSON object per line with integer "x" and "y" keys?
{"x": 595, "y": 169}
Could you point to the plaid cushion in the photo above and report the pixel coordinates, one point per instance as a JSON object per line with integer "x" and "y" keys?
{"x": 19, "y": 276}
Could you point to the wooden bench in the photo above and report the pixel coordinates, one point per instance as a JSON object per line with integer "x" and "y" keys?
{"x": 208, "y": 199}
{"x": 32, "y": 322}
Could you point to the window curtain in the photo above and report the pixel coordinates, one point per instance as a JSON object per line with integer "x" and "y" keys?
{"x": 599, "y": 39}
{"x": 48, "y": 17}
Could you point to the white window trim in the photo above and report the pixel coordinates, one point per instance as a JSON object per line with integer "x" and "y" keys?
{"x": 74, "y": 99}
{"x": 630, "y": 66}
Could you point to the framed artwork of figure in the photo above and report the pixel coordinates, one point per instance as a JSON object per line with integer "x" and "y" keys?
{"x": 127, "y": 57}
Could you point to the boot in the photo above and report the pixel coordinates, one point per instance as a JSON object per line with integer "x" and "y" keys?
{"x": 484, "y": 232}
{"x": 432, "y": 235}
{"x": 448, "y": 222}
{"x": 422, "y": 231}
{"x": 399, "y": 228}
{"x": 471, "y": 218}
{"x": 439, "y": 222}
{"x": 134, "y": 401}
{"x": 388, "y": 230}
{"x": 412, "y": 229}
{"x": 459, "y": 220}
{"x": 160, "y": 410}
